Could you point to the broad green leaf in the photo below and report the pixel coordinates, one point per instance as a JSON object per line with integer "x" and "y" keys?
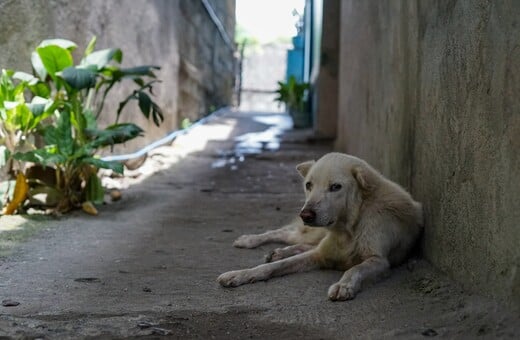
{"x": 26, "y": 77}
{"x": 79, "y": 78}
{"x": 139, "y": 81}
{"x": 145, "y": 103}
{"x": 50, "y": 135}
{"x": 94, "y": 191}
{"x": 157, "y": 114}
{"x": 63, "y": 43}
{"x": 64, "y": 134}
{"x": 90, "y": 47}
{"x": 23, "y": 117}
{"x": 114, "y": 134}
{"x": 55, "y": 58}
{"x": 103, "y": 57}
{"x": 90, "y": 118}
{"x": 18, "y": 92}
{"x": 40, "y": 90}
{"x": 38, "y": 66}
{"x": 43, "y": 156}
{"x": 115, "y": 166}
{"x": 38, "y": 105}
{"x": 9, "y": 105}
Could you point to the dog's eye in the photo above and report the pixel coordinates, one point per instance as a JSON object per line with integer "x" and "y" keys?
{"x": 335, "y": 187}
{"x": 308, "y": 186}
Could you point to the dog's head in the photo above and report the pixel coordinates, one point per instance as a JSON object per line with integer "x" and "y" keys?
{"x": 335, "y": 187}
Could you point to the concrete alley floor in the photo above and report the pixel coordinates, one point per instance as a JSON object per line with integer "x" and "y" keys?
{"x": 147, "y": 265}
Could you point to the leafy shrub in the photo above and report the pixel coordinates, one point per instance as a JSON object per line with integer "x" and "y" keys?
{"x": 59, "y": 104}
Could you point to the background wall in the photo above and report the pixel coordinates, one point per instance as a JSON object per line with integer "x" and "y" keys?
{"x": 429, "y": 93}
{"x": 325, "y": 118}
{"x": 197, "y": 65}
{"x": 262, "y": 67}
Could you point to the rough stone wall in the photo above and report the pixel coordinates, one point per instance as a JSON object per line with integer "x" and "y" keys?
{"x": 207, "y": 64}
{"x": 429, "y": 93}
{"x": 178, "y": 35}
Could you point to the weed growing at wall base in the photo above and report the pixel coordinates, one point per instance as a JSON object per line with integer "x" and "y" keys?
{"x": 48, "y": 124}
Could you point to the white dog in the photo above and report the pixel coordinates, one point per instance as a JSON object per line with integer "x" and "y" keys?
{"x": 354, "y": 220}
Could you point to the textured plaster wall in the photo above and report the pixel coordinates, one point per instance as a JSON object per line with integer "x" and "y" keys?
{"x": 325, "y": 119}
{"x": 197, "y": 67}
{"x": 430, "y": 94}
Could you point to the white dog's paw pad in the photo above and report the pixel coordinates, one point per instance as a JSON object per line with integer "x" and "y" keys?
{"x": 246, "y": 241}
{"x": 341, "y": 292}
{"x": 233, "y": 279}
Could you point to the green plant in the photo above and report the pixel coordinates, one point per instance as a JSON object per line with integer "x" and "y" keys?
{"x": 18, "y": 118}
{"x": 67, "y": 100}
{"x": 292, "y": 94}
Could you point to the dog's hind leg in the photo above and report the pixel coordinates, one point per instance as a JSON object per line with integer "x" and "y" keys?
{"x": 293, "y": 233}
{"x": 298, "y": 263}
{"x": 282, "y": 253}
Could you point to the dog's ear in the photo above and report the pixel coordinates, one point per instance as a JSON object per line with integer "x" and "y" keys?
{"x": 364, "y": 178}
{"x": 303, "y": 168}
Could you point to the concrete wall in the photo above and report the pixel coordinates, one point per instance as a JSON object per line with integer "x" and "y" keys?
{"x": 429, "y": 93}
{"x": 178, "y": 35}
{"x": 326, "y": 89}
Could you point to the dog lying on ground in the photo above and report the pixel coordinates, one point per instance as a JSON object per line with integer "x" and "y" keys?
{"x": 353, "y": 220}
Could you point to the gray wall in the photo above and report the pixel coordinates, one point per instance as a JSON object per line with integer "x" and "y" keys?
{"x": 326, "y": 89}
{"x": 178, "y": 35}
{"x": 429, "y": 93}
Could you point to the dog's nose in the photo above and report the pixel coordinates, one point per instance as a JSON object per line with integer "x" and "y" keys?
{"x": 308, "y": 215}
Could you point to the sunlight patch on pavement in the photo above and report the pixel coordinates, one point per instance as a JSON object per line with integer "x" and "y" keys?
{"x": 8, "y": 223}
{"x": 162, "y": 158}
{"x": 197, "y": 139}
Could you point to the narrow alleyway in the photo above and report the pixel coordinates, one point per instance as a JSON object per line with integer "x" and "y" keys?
{"x": 147, "y": 265}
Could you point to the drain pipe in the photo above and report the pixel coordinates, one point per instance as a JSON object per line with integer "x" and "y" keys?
{"x": 166, "y": 139}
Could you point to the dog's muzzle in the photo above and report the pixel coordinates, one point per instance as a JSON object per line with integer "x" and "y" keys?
{"x": 308, "y": 216}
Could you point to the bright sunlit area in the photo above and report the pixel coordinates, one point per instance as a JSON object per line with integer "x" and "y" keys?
{"x": 265, "y": 33}
{"x": 268, "y": 20}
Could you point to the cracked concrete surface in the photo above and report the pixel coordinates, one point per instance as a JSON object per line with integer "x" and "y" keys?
{"x": 147, "y": 265}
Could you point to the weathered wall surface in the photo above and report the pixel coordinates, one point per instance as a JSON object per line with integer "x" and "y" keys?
{"x": 325, "y": 120}
{"x": 430, "y": 94}
{"x": 197, "y": 66}
{"x": 374, "y": 101}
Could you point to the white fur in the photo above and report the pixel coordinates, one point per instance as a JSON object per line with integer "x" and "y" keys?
{"x": 364, "y": 224}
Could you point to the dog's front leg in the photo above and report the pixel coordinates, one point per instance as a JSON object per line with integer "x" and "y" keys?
{"x": 298, "y": 263}
{"x": 350, "y": 283}
{"x": 290, "y": 233}
{"x": 282, "y": 253}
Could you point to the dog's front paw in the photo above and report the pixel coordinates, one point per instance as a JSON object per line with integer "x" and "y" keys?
{"x": 234, "y": 278}
{"x": 247, "y": 241}
{"x": 341, "y": 292}
{"x": 275, "y": 255}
